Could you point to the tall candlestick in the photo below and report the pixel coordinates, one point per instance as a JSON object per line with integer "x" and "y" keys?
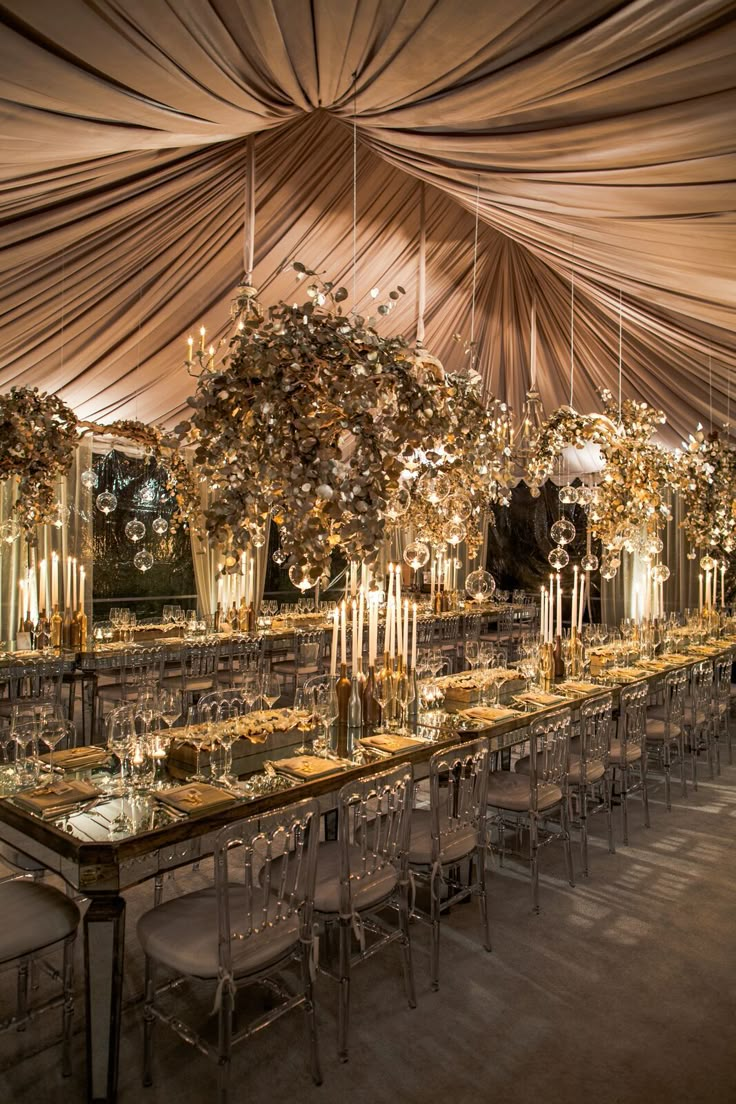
{"x": 700, "y": 592}
{"x": 42, "y": 584}
{"x": 68, "y": 583}
{"x": 82, "y": 577}
{"x": 353, "y": 579}
{"x": 54, "y": 579}
{"x": 343, "y": 635}
{"x": 574, "y": 610}
{"x": 707, "y": 588}
{"x": 202, "y": 332}
{"x": 333, "y": 649}
{"x": 723, "y": 585}
{"x": 431, "y": 581}
{"x": 405, "y": 649}
{"x": 361, "y": 608}
{"x": 542, "y": 616}
{"x": 580, "y": 602}
{"x": 74, "y": 583}
{"x": 398, "y": 604}
{"x": 354, "y": 657}
{"x": 414, "y": 640}
{"x": 647, "y": 594}
{"x": 559, "y": 605}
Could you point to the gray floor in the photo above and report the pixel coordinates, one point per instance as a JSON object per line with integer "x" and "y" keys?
{"x": 622, "y": 990}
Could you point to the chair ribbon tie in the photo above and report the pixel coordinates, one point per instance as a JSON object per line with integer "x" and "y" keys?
{"x": 437, "y": 879}
{"x": 358, "y": 927}
{"x": 226, "y": 982}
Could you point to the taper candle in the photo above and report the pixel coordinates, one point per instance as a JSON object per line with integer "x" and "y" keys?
{"x": 333, "y": 649}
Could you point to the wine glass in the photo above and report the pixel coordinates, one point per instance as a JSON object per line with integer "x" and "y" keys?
{"x": 472, "y": 653}
{"x": 53, "y": 731}
{"x": 326, "y": 710}
{"x": 251, "y": 690}
{"x": 146, "y": 707}
{"x": 404, "y": 696}
{"x": 196, "y": 735}
{"x": 270, "y": 689}
{"x": 384, "y": 693}
{"x": 120, "y": 735}
{"x": 304, "y": 707}
{"x": 169, "y": 706}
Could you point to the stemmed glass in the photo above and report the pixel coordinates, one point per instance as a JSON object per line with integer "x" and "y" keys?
{"x": 326, "y": 710}
{"x": 123, "y": 622}
{"x": 304, "y": 704}
{"x": 53, "y": 731}
{"x": 167, "y": 616}
{"x": 169, "y": 706}
{"x": 115, "y": 613}
{"x": 24, "y": 733}
{"x": 384, "y": 694}
{"x": 146, "y": 707}
{"x": 196, "y": 735}
{"x": 270, "y": 689}
{"x": 472, "y": 653}
{"x": 120, "y": 737}
{"x": 178, "y": 617}
{"x": 251, "y": 690}
{"x": 404, "y": 696}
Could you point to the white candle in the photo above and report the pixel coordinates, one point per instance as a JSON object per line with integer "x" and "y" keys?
{"x": 542, "y": 617}
{"x": 700, "y": 591}
{"x": 707, "y": 588}
{"x": 361, "y": 608}
{"x": 414, "y": 640}
{"x": 580, "y": 602}
{"x": 551, "y": 607}
{"x": 574, "y": 608}
{"x": 647, "y": 594}
{"x": 389, "y": 643}
{"x": 723, "y": 586}
{"x": 333, "y": 649}
{"x": 405, "y": 649}
{"x": 68, "y": 583}
{"x": 43, "y": 584}
{"x": 354, "y": 657}
{"x": 398, "y": 603}
{"x": 251, "y": 585}
{"x": 82, "y": 577}
{"x": 372, "y": 629}
{"x": 353, "y": 579}
{"x": 559, "y": 605}
{"x": 431, "y": 581}
{"x": 74, "y": 583}
{"x": 54, "y": 579}
{"x": 343, "y": 635}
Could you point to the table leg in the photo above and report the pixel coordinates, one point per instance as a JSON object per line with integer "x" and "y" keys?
{"x": 104, "y": 933}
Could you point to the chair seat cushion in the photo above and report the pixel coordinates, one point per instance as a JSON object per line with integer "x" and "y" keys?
{"x": 206, "y": 682}
{"x": 182, "y": 934}
{"x": 656, "y": 730}
{"x": 365, "y": 892}
{"x": 633, "y": 753}
{"x": 594, "y": 772}
{"x": 507, "y": 790}
{"x": 701, "y": 718}
{"x": 34, "y": 916}
{"x": 453, "y": 845}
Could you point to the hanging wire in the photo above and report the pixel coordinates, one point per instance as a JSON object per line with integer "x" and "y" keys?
{"x": 475, "y": 274}
{"x": 620, "y": 350}
{"x": 355, "y": 184}
{"x": 422, "y": 295}
{"x": 710, "y": 393}
{"x": 249, "y": 215}
{"x": 572, "y": 334}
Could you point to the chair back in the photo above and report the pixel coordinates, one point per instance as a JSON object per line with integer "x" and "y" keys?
{"x": 273, "y": 857}
{"x": 142, "y": 667}
{"x": 722, "y": 687}
{"x": 471, "y": 627}
{"x": 449, "y": 629}
{"x": 200, "y": 660}
{"x": 36, "y": 679}
{"x": 308, "y": 649}
{"x": 701, "y": 689}
{"x": 675, "y": 688}
{"x": 633, "y": 714}
{"x": 549, "y": 748}
{"x": 374, "y": 815}
{"x": 220, "y": 705}
{"x": 241, "y": 655}
{"x": 458, "y": 788}
{"x": 425, "y": 632}
{"x": 595, "y": 734}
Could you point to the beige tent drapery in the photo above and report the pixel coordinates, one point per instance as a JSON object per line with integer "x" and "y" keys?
{"x": 599, "y": 137}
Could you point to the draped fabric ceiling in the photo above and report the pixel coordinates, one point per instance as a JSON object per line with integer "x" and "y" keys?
{"x": 594, "y": 136}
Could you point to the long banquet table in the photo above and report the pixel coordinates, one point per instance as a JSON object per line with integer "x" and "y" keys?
{"x": 101, "y": 869}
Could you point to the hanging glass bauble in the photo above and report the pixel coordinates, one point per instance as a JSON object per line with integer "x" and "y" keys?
{"x": 589, "y": 562}
{"x": 143, "y": 560}
{"x": 434, "y": 488}
{"x": 416, "y": 555}
{"x": 534, "y": 490}
{"x": 279, "y": 556}
{"x": 558, "y": 558}
{"x": 660, "y": 573}
{"x": 608, "y": 571}
{"x": 479, "y": 584}
{"x": 397, "y": 504}
{"x": 654, "y": 546}
{"x": 89, "y": 478}
{"x": 692, "y": 554}
{"x": 303, "y": 576}
{"x": 106, "y": 502}
{"x": 563, "y": 531}
{"x": 257, "y": 536}
{"x": 459, "y": 507}
{"x": 135, "y": 530}
{"x": 707, "y": 562}
{"x": 569, "y": 494}
{"x": 9, "y": 531}
{"x": 455, "y": 532}
{"x": 585, "y": 495}
{"x": 61, "y": 515}
{"x": 160, "y": 526}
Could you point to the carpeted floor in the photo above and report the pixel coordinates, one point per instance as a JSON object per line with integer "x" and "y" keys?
{"x": 622, "y": 991}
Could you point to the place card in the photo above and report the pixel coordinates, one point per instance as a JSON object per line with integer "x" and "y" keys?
{"x": 195, "y": 797}
{"x": 306, "y": 767}
{"x": 57, "y": 796}
{"x": 390, "y": 742}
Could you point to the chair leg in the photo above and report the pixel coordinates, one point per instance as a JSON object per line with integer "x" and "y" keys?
{"x": 709, "y": 741}
{"x": 406, "y": 946}
{"x": 534, "y": 862}
{"x": 694, "y": 757}
{"x": 683, "y": 768}
{"x": 667, "y": 779}
{"x": 565, "y": 819}
{"x": 67, "y": 970}
{"x": 309, "y": 1012}
{"x": 480, "y": 859}
{"x": 624, "y": 804}
{"x": 434, "y": 963}
{"x": 344, "y": 993}
{"x": 645, "y": 791}
{"x": 23, "y": 972}
{"x": 583, "y": 814}
{"x": 224, "y": 1044}
{"x": 148, "y": 1021}
{"x": 158, "y": 890}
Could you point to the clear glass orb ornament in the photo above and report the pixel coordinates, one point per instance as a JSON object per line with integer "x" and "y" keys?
{"x": 135, "y": 530}
{"x": 89, "y": 478}
{"x": 459, "y": 507}
{"x": 9, "y": 531}
{"x": 160, "y": 526}
{"x": 455, "y": 533}
{"x": 398, "y": 504}
{"x": 61, "y": 515}
{"x": 707, "y": 562}
{"x": 143, "y": 560}
{"x": 479, "y": 584}
{"x": 589, "y": 562}
{"x": 257, "y": 536}
{"x": 434, "y": 488}
{"x": 303, "y": 576}
{"x": 569, "y": 494}
{"x": 106, "y": 502}
{"x": 654, "y": 546}
{"x": 691, "y": 554}
{"x": 563, "y": 531}
{"x": 279, "y": 556}
{"x": 660, "y": 573}
{"x": 608, "y": 571}
{"x": 585, "y": 495}
{"x": 534, "y": 490}
{"x": 416, "y": 555}
{"x": 558, "y": 558}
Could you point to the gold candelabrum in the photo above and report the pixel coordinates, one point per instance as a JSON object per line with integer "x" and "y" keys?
{"x": 576, "y": 654}
{"x": 546, "y": 666}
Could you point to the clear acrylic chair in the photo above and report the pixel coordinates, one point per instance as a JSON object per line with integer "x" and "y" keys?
{"x": 471, "y": 632}
{"x": 698, "y": 717}
{"x": 451, "y": 833}
{"x": 38, "y": 921}
{"x": 239, "y": 656}
{"x": 198, "y": 673}
{"x": 535, "y": 796}
{"x": 628, "y": 751}
{"x": 722, "y": 707}
{"x": 219, "y": 705}
{"x": 666, "y": 732}
{"x": 246, "y": 929}
{"x": 362, "y": 873}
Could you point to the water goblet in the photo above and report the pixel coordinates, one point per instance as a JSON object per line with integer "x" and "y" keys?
{"x": 304, "y": 707}
{"x": 270, "y": 689}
